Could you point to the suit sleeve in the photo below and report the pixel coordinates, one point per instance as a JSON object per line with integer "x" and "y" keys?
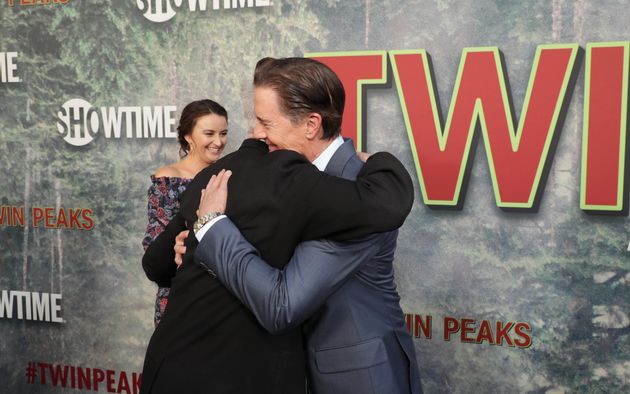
{"x": 281, "y": 299}
{"x": 379, "y": 201}
{"x": 159, "y": 258}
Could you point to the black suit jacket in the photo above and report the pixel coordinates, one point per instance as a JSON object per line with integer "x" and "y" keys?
{"x": 207, "y": 341}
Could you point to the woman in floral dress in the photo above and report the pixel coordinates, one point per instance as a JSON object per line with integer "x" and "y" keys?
{"x": 202, "y": 136}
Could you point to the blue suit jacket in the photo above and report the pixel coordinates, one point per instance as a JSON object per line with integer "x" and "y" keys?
{"x": 344, "y": 293}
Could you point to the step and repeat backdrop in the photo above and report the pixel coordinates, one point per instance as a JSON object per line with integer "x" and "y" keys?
{"x": 511, "y": 117}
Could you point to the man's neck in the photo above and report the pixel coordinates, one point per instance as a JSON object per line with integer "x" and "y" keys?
{"x": 327, "y": 151}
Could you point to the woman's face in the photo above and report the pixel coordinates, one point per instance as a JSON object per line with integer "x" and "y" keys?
{"x": 208, "y": 138}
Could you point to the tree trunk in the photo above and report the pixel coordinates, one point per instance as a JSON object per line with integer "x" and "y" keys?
{"x": 366, "y": 34}
{"x": 59, "y": 237}
{"x": 52, "y": 261}
{"x": 51, "y": 243}
{"x": 579, "y": 8}
{"x": 556, "y": 19}
{"x": 27, "y": 216}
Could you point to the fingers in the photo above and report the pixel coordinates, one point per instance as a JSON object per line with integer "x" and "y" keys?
{"x": 217, "y": 183}
{"x": 214, "y": 196}
{"x": 179, "y": 248}
{"x": 214, "y": 182}
{"x": 180, "y": 251}
{"x": 363, "y": 156}
{"x": 181, "y": 237}
{"x": 178, "y": 258}
{"x": 223, "y": 183}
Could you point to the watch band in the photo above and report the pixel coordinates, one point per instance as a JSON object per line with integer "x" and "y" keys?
{"x": 199, "y": 223}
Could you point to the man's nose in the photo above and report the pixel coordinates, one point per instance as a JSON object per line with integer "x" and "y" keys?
{"x": 259, "y": 132}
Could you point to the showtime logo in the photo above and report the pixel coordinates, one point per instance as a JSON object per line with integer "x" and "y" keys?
{"x": 164, "y": 10}
{"x": 26, "y": 305}
{"x": 8, "y": 67}
{"x": 79, "y": 122}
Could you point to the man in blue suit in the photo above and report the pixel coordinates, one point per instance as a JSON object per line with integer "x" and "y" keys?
{"x": 343, "y": 293}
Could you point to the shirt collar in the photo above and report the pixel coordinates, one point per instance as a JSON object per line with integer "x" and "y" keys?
{"x": 322, "y": 160}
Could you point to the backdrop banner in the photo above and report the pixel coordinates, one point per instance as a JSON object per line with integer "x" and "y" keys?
{"x": 511, "y": 117}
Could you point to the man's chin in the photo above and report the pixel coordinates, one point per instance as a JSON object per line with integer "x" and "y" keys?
{"x": 273, "y": 148}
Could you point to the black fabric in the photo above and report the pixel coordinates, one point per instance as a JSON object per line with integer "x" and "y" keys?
{"x": 207, "y": 341}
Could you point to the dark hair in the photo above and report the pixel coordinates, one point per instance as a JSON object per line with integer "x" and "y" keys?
{"x": 304, "y": 85}
{"x": 188, "y": 119}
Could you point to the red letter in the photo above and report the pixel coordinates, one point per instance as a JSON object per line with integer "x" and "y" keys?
{"x": 522, "y": 329}
{"x": 408, "y": 319}
{"x": 5, "y": 212}
{"x": 604, "y": 126}
{"x": 42, "y": 371}
{"x": 123, "y": 383}
{"x": 137, "y": 381}
{"x": 49, "y": 212}
{"x": 74, "y": 218}
{"x": 84, "y": 378}
{"x": 99, "y": 376}
{"x": 38, "y": 216}
{"x": 516, "y": 159}
{"x": 451, "y": 326}
{"x": 355, "y": 69}
{"x": 424, "y": 326}
{"x": 86, "y": 214}
{"x": 72, "y": 378}
{"x": 502, "y": 332}
{"x": 18, "y": 216}
{"x": 466, "y": 329}
{"x": 110, "y": 381}
{"x": 62, "y": 221}
{"x": 485, "y": 333}
{"x": 57, "y": 375}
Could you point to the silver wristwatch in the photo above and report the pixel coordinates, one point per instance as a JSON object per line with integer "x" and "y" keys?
{"x": 199, "y": 223}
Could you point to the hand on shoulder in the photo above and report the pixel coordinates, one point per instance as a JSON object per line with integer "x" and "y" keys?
{"x": 363, "y": 156}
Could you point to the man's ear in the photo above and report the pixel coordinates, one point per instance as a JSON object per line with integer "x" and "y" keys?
{"x": 314, "y": 126}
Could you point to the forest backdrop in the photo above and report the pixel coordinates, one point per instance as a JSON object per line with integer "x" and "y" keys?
{"x": 73, "y": 214}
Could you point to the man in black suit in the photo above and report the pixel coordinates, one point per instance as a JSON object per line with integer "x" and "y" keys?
{"x": 207, "y": 341}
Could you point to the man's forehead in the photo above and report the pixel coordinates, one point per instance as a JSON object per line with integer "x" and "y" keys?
{"x": 266, "y": 92}
{"x": 265, "y": 102}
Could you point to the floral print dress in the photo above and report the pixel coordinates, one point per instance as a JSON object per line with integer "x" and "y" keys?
{"x": 163, "y": 204}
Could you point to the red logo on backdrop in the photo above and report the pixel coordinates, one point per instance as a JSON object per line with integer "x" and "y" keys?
{"x": 519, "y": 153}
{"x": 48, "y": 217}
{"x": 467, "y": 330}
{"x": 82, "y": 378}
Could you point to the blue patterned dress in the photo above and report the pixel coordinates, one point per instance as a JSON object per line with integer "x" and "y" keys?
{"x": 163, "y": 204}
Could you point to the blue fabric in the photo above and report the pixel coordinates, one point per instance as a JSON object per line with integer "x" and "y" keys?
{"x": 343, "y": 293}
